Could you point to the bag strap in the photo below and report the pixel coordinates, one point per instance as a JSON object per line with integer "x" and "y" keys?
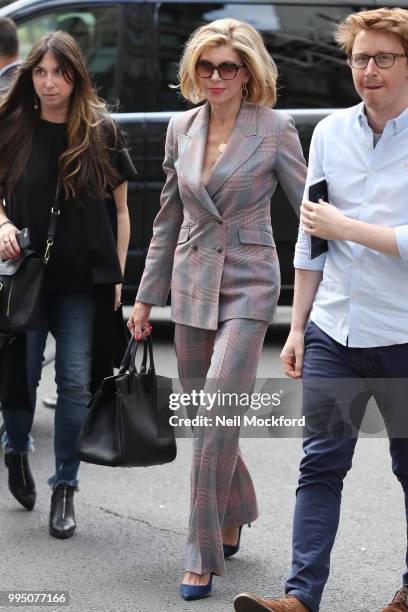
{"x": 150, "y": 347}
{"x": 144, "y": 360}
{"x": 52, "y": 228}
{"x": 129, "y": 358}
{"x": 124, "y": 366}
{"x": 147, "y": 347}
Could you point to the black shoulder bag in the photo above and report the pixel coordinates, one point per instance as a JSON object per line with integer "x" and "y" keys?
{"x": 21, "y": 282}
{"x": 128, "y": 420}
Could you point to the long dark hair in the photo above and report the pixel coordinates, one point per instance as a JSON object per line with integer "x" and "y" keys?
{"x": 84, "y": 167}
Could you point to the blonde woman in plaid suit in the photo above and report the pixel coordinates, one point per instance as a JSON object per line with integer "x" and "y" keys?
{"x": 213, "y": 245}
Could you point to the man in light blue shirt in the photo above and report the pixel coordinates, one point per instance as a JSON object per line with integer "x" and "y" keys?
{"x": 356, "y": 295}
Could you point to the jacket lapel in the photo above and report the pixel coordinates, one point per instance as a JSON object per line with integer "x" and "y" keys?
{"x": 191, "y": 148}
{"x": 241, "y": 145}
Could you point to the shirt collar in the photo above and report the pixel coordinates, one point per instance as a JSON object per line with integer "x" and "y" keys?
{"x": 397, "y": 124}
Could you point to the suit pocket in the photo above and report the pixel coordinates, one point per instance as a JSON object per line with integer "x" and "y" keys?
{"x": 256, "y": 236}
{"x": 240, "y": 181}
{"x": 183, "y": 235}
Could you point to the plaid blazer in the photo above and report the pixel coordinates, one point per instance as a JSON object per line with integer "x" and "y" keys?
{"x": 213, "y": 244}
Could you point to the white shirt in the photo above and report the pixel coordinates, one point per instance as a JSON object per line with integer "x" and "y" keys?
{"x": 362, "y": 300}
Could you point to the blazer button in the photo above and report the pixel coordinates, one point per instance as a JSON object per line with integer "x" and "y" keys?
{"x": 219, "y": 249}
{"x": 220, "y": 221}
{"x": 194, "y": 247}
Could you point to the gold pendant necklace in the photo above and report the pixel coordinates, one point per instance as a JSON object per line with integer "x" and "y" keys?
{"x": 221, "y": 146}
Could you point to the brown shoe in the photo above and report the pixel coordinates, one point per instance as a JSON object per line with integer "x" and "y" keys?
{"x": 249, "y": 602}
{"x": 399, "y": 603}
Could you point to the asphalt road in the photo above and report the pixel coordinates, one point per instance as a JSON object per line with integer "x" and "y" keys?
{"x": 127, "y": 554}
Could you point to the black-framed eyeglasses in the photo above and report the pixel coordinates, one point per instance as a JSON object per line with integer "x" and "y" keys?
{"x": 382, "y": 60}
{"x": 226, "y": 70}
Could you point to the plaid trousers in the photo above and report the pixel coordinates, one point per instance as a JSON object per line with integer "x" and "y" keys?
{"x": 222, "y": 493}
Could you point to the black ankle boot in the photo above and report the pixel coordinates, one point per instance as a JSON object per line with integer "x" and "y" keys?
{"x": 62, "y": 513}
{"x": 20, "y": 479}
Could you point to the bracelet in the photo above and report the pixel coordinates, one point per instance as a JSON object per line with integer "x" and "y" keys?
{"x": 5, "y": 223}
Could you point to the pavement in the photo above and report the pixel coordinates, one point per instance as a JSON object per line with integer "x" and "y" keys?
{"x": 127, "y": 553}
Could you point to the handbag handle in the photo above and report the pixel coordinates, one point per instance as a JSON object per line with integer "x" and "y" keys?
{"x": 124, "y": 365}
{"x": 148, "y": 347}
{"x": 144, "y": 360}
{"x": 129, "y": 358}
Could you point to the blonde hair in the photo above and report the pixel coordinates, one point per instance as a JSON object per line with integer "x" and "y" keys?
{"x": 247, "y": 42}
{"x": 394, "y": 20}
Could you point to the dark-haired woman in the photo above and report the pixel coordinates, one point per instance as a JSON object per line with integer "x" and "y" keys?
{"x": 59, "y": 145}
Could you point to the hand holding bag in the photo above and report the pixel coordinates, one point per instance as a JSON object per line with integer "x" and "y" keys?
{"x": 128, "y": 420}
{"x": 21, "y": 282}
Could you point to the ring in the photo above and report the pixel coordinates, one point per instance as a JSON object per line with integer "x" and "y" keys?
{"x": 6, "y": 241}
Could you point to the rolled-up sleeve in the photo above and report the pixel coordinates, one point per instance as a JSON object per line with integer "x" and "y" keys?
{"x": 302, "y": 253}
{"x": 314, "y": 173}
{"x": 401, "y": 236}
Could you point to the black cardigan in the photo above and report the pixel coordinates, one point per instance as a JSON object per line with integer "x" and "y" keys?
{"x": 100, "y": 226}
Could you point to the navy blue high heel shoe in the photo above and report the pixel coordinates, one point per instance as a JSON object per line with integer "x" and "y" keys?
{"x": 232, "y": 549}
{"x": 196, "y": 591}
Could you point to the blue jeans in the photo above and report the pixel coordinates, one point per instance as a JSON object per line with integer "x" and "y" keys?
{"x": 69, "y": 317}
{"x": 329, "y": 449}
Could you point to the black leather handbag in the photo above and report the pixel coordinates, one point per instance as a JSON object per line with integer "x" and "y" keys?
{"x": 21, "y": 282}
{"x": 128, "y": 420}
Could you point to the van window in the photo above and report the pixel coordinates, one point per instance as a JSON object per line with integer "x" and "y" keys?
{"x": 96, "y": 31}
{"x": 313, "y": 72}
{"x": 137, "y": 80}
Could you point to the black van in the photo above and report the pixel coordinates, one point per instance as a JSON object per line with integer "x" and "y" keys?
{"x": 133, "y": 47}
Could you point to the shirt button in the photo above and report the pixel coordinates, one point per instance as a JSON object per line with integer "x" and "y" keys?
{"x": 219, "y": 249}
{"x": 364, "y": 204}
{"x": 194, "y": 247}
